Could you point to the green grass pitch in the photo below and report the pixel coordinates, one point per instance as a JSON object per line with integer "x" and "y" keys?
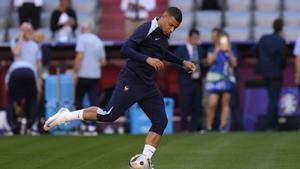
{"x": 271, "y": 150}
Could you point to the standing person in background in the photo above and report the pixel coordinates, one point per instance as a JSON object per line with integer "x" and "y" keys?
{"x": 24, "y": 79}
{"x": 219, "y": 80}
{"x": 136, "y": 13}
{"x": 271, "y": 53}
{"x": 63, "y": 22}
{"x": 29, "y": 11}
{"x": 191, "y": 84}
{"x": 89, "y": 59}
{"x": 234, "y": 116}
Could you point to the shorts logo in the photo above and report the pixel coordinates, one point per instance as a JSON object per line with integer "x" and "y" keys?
{"x": 126, "y": 88}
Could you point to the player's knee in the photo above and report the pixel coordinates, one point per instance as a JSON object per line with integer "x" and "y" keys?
{"x": 107, "y": 118}
{"x": 107, "y": 115}
{"x": 159, "y": 126}
{"x": 164, "y": 123}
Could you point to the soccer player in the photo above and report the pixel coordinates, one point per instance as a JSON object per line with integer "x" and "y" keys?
{"x": 146, "y": 48}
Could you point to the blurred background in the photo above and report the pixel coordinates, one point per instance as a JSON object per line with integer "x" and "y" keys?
{"x": 59, "y": 24}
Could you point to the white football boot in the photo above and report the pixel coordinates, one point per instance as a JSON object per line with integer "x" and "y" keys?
{"x": 151, "y": 164}
{"x": 56, "y": 120}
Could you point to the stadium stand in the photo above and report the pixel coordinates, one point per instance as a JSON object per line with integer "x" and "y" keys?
{"x": 291, "y": 5}
{"x": 263, "y": 22}
{"x": 291, "y": 18}
{"x": 237, "y": 18}
{"x": 255, "y": 16}
{"x": 185, "y": 6}
{"x": 237, "y": 5}
{"x": 238, "y": 34}
{"x": 50, "y": 6}
{"x": 269, "y": 5}
{"x": 237, "y": 24}
{"x": 208, "y": 19}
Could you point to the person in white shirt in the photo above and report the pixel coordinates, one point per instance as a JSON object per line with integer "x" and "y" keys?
{"x": 63, "y": 22}
{"x": 89, "y": 59}
{"x": 136, "y": 12}
{"x": 23, "y": 79}
{"x": 29, "y": 11}
{"x": 297, "y": 60}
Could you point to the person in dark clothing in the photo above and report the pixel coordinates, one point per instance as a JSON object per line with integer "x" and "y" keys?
{"x": 145, "y": 50}
{"x": 29, "y": 11}
{"x": 63, "y": 22}
{"x": 191, "y": 84}
{"x": 271, "y": 53}
{"x": 23, "y": 79}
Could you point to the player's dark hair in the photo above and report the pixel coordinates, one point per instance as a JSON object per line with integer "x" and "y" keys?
{"x": 193, "y": 31}
{"x": 278, "y": 25}
{"x": 175, "y": 12}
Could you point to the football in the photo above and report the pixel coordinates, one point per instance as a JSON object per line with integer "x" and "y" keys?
{"x": 139, "y": 161}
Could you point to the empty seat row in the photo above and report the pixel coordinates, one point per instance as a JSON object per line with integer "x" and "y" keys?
{"x": 241, "y": 5}
{"x": 80, "y": 6}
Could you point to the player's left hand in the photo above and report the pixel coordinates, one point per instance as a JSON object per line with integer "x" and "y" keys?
{"x": 191, "y": 67}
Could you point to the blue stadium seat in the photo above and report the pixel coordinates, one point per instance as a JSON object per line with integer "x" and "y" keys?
{"x": 14, "y": 20}
{"x": 13, "y": 33}
{"x": 208, "y": 19}
{"x": 239, "y": 5}
{"x": 5, "y": 7}
{"x": 238, "y": 34}
{"x": 291, "y": 5}
{"x": 291, "y": 18}
{"x": 205, "y": 33}
{"x": 265, "y": 18}
{"x": 50, "y": 6}
{"x": 237, "y": 19}
{"x": 83, "y": 17}
{"x": 185, "y": 6}
{"x": 84, "y": 6}
{"x": 267, "y": 5}
{"x": 187, "y": 20}
{"x": 179, "y": 35}
{"x": 45, "y": 19}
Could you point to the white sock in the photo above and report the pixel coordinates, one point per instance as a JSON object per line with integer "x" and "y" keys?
{"x": 149, "y": 150}
{"x": 74, "y": 115}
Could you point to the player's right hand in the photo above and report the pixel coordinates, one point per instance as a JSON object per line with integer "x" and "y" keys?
{"x": 155, "y": 63}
